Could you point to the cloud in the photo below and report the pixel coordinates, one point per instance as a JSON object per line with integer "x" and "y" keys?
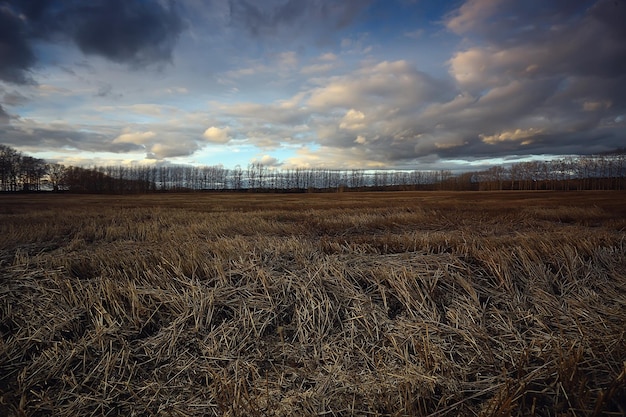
{"x": 16, "y": 53}
{"x": 86, "y": 160}
{"x": 161, "y": 151}
{"x": 353, "y": 120}
{"x": 538, "y": 76}
{"x": 165, "y": 143}
{"x": 540, "y": 38}
{"x": 154, "y": 110}
{"x": 267, "y": 160}
{"x": 506, "y": 22}
{"x": 28, "y": 135}
{"x": 138, "y": 138}
{"x": 157, "y": 141}
{"x": 328, "y": 56}
{"x": 324, "y": 63}
{"x": 416, "y": 34}
{"x": 14, "y": 98}
{"x": 518, "y": 135}
{"x": 372, "y": 108}
{"x": 287, "y": 59}
{"x": 216, "y": 135}
{"x": 134, "y": 32}
{"x": 498, "y": 104}
{"x": 317, "y": 68}
{"x": 177, "y": 90}
{"x": 471, "y": 14}
{"x": 357, "y": 157}
{"x": 596, "y": 105}
{"x": 274, "y": 17}
{"x": 4, "y": 116}
{"x": 383, "y": 83}
{"x": 523, "y": 78}
{"x": 284, "y": 112}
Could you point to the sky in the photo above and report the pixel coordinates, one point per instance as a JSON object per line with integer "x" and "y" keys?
{"x": 341, "y": 84}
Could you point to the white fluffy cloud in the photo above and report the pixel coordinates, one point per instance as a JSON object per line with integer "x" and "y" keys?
{"x": 216, "y": 135}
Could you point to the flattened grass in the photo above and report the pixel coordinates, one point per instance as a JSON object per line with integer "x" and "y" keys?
{"x": 345, "y": 304}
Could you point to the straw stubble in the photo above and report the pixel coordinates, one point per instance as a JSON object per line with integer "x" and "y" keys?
{"x": 322, "y": 305}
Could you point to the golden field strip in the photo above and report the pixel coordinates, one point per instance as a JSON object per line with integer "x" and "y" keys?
{"x": 347, "y": 304}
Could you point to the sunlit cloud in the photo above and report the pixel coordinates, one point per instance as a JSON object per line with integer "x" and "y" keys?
{"x": 524, "y": 136}
{"x": 138, "y": 138}
{"x": 353, "y": 120}
{"x": 267, "y": 160}
{"x": 216, "y": 135}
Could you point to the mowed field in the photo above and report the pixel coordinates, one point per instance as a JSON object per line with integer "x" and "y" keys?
{"x": 346, "y": 304}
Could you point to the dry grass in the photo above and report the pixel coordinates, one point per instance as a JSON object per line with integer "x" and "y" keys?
{"x": 390, "y": 304}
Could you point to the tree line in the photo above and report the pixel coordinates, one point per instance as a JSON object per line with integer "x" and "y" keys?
{"x": 20, "y": 172}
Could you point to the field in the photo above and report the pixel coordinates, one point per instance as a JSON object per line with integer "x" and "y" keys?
{"x": 346, "y": 304}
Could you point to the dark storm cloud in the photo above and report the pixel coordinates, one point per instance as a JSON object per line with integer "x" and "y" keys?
{"x": 134, "y": 32}
{"x": 270, "y": 17}
{"x": 16, "y": 54}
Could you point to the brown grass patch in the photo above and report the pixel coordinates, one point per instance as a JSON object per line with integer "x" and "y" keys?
{"x": 388, "y": 304}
